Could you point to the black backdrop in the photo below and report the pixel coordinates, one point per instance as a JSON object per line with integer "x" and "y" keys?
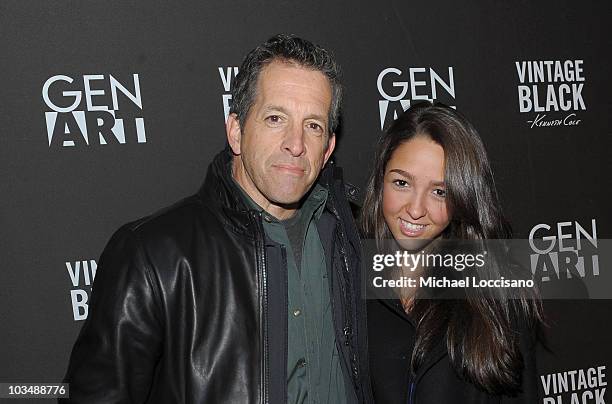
{"x": 60, "y": 203}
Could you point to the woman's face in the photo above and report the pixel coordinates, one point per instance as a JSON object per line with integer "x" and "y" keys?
{"x": 414, "y": 204}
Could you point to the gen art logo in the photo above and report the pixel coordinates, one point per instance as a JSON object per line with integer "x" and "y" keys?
{"x": 564, "y": 250}
{"x": 400, "y": 88}
{"x": 93, "y": 110}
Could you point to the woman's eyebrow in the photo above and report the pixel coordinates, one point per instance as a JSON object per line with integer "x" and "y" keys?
{"x": 402, "y": 173}
{"x": 406, "y": 174}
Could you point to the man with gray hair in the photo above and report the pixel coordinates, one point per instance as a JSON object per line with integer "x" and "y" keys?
{"x": 248, "y": 291}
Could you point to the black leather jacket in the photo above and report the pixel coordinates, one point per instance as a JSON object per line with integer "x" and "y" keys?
{"x": 189, "y": 305}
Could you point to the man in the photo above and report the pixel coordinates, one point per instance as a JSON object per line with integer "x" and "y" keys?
{"x": 246, "y": 292}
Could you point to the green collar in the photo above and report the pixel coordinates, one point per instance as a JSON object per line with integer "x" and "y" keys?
{"x": 312, "y": 205}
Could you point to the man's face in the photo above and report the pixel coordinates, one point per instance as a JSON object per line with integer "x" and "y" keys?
{"x": 284, "y": 142}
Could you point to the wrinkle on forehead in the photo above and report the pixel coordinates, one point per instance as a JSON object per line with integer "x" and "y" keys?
{"x": 287, "y": 80}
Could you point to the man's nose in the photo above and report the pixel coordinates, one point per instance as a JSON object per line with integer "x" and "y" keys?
{"x": 294, "y": 141}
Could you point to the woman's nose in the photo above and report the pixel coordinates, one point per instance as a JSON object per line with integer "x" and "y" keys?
{"x": 415, "y": 207}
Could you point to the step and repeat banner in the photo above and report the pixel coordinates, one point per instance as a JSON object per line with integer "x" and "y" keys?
{"x": 112, "y": 110}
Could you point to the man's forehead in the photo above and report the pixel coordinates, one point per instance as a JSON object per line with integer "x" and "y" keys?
{"x": 287, "y": 68}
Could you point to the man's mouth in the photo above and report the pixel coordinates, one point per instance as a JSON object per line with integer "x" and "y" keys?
{"x": 291, "y": 169}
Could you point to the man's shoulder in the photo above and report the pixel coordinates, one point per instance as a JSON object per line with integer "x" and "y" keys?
{"x": 175, "y": 223}
{"x": 333, "y": 179}
{"x": 186, "y": 209}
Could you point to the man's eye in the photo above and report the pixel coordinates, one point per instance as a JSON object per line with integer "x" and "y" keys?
{"x": 315, "y": 126}
{"x": 273, "y": 119}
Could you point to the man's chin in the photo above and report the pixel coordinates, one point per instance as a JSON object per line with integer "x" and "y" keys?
{"x": 289, "y": 197}
{"x": 288, "y": 203}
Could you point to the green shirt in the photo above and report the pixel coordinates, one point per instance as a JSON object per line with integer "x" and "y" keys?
{"x": 314, "y": 373}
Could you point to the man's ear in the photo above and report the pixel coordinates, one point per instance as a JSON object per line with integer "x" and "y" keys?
{"x": 233, "y": 133}
{"x": 331, "y": 144}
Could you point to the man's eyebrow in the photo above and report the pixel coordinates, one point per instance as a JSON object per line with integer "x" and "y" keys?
{"x": 270, "y": 108}
{"x": 319, "y": 117}
{"x": 406, "y": 174}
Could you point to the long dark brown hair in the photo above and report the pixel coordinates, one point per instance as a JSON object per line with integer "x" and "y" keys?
{"x": 481, "y": 329}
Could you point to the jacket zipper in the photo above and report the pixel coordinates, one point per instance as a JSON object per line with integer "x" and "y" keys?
{"x": 354, "y": 368}
{"x": 411, "y": 393}
{"x": 261, "y": 263}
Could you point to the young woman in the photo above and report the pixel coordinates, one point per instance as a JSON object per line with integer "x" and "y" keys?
{"x": 432, "y": 181}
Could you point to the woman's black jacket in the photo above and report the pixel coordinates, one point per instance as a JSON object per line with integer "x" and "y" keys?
{"x": 391, "y": 335}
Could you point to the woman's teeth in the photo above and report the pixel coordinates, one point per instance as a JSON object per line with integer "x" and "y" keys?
{"x": 412, "y": 226}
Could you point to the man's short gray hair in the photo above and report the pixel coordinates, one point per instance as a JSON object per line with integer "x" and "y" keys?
{"x": 291, "y": 49}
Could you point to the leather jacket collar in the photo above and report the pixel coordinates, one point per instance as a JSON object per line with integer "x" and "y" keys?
{"x": 220, "y": 190}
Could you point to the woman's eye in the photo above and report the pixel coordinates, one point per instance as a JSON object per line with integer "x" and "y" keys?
{"x": 439, "y": 192}
{"x": 400, "y": 183}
